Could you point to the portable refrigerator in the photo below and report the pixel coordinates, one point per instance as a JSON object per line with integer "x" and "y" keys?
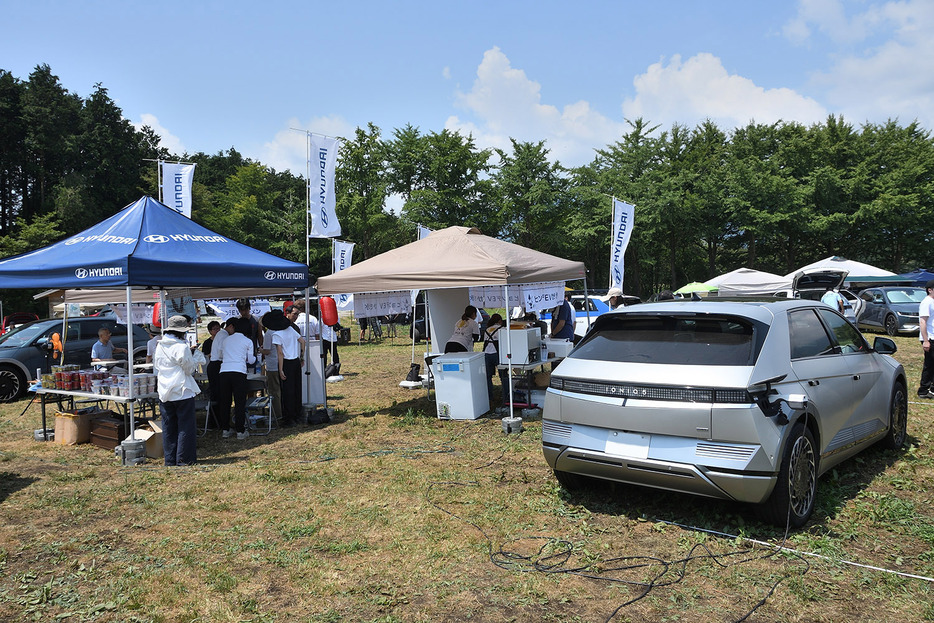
{"x": 526, "y": 346}
{"x": 460, "y": 386}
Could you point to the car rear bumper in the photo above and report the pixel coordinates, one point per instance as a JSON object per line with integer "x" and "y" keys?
{"x": 676, "y": 464}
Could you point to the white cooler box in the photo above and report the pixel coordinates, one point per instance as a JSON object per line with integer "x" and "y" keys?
{"x": 560, "y": 348}
{"x": 460, "y": 386}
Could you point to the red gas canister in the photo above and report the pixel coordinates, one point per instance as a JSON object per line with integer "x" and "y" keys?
{"x": 157, "y": 315}
{"x": 328, "y": 310}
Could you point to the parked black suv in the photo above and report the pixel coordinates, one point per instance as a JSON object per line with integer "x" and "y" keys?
{"x": 28, "y": 348}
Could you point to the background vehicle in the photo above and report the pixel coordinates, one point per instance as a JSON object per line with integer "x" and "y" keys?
{"x": 14, "y": 320}
{"x": 745, "y": 401}
{"x": 594, "y": 304}
{"x": 893, "y": 309}
{"x": 28, "y": 348}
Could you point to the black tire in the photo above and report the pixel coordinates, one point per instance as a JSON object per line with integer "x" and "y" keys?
{"x": 891, "y": 325}
{"x": 898, "y": 419}
{"x": 12, "y": 383}
{"x": 572, "y": 482}
{"x": 792, "y": 500}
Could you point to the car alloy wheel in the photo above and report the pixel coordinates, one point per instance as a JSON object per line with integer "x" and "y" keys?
{"x": 802, "y": 477}
{"x": 898, "y": 418}
{"x": 12, "y": 384}
{"x": 891, "y": 325}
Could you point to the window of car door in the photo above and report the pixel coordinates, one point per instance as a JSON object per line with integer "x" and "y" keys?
{"x": 847, "y": 338}
{"x": 807, "y": 335}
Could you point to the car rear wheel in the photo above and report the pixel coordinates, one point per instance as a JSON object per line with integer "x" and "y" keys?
{"x": 891, "y": 325}
{"x": 792, "y": 500}
{"x": 12, "y": 383}
{"x": 572, "y": 482}
{"x": 898, "y": 419}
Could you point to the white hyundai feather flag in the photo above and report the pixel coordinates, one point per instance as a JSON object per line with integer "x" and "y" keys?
{"x": 322, "y": 204}
{"x": 343, "y": 257}
{"x": 176, "y": 186}
{"x": 623, "y": 222}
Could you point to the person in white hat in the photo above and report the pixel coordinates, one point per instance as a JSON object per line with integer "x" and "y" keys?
{"x": 174, "y": 364}
{"x": 615, "y": 298}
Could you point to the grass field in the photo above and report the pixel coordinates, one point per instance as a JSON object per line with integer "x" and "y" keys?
{"x": 388, "y": 514}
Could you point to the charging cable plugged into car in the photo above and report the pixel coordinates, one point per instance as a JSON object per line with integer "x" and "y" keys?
{"x": 761, "y": 393}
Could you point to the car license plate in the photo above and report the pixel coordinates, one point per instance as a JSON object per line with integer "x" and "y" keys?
{"x": 627, "y": 445}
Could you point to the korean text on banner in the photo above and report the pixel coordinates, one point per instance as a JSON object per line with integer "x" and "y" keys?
{"x": 623, "y": 221}
{"x": 176, "y": 186}
{"x": 321, "y": 200}
{"x": 142, "y": 314}
{"x": 343, "y": 256}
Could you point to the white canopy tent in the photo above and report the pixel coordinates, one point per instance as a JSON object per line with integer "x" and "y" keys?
{"x": 452, "y": 259}
{"x": 854, "y": 268}
{"x": 748, "y": 282}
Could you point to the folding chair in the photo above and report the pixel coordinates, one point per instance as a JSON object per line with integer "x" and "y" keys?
{"x": 258, "y": 407}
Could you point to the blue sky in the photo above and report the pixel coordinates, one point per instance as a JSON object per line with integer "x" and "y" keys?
{"x": 212, "y": 75}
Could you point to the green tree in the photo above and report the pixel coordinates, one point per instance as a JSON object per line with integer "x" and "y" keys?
{"x": 531, "y": 192}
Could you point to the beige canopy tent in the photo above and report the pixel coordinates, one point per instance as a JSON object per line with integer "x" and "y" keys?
{"x": 455, "y": 257}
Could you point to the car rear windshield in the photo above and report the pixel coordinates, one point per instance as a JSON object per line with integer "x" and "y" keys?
{"x": 671, "y": 339}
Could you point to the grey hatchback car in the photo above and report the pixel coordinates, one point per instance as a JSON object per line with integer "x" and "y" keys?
{"x": 745, "y": 401}
{"x": 27, "y": 348}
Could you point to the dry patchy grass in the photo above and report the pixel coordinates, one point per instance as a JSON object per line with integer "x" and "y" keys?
{"x": 388, "y": 514}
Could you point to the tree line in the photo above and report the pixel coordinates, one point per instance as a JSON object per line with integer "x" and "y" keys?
{"x": 708, "y": 200}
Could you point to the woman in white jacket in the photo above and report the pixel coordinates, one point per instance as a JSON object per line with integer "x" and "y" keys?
{"x": 174, "y": 363}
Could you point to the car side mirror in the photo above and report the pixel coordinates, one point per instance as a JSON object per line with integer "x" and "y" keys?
{"x": 884, "y": 346}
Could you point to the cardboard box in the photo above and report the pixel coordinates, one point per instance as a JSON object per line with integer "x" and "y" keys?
{"x": 151, "y": 433}
{"x": 72, "y": 427}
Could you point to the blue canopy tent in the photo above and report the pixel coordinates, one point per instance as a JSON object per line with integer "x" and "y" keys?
{"x": 148, "y": 245}
{"x": 919, "y": 278}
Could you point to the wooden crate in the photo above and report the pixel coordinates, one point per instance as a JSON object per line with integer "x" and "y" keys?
{"x": 107, "y": 432}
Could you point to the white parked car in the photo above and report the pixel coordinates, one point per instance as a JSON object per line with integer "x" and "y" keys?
{"x": 745, "y": 401}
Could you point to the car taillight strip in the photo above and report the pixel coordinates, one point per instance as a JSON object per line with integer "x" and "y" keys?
{"x": 653, "y": 392}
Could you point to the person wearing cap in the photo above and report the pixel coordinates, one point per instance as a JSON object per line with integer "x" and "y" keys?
{"x": 174, "y": 364}
{"x": 615, "y": 298}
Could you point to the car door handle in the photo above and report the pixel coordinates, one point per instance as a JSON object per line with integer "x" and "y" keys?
{"x": 812, "y": 383}
{"x": 855, "y": 377}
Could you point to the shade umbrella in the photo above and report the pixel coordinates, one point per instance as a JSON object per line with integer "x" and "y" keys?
{"x": 695, "y": 286}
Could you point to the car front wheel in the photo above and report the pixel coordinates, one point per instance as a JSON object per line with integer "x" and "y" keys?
{"x": 12, "y": 384}
{"x": 898, "y": 419}
{"x": 891, "y": 325}
{"x": 792, "y": 500}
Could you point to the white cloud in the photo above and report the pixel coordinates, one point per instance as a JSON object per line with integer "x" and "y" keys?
{"x": 288, "y": 149}
{"x": 701, "y": 88}
{"x": 891, "y": 75}
{"x": 446, "y": 73}
{"x": 506, "y": 104}
{"x": 167, "y": 139}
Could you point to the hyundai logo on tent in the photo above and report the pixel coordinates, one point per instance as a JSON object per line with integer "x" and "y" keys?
{"x": 148, "y": 244}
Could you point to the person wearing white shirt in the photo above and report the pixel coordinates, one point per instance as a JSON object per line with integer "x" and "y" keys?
{"x": 289, "y": 346}
{"x": 236, "y": 353}
{"x": 926, "y": 335}
{"x": 174, "y": 364}
{"x": 271, "y": 321}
